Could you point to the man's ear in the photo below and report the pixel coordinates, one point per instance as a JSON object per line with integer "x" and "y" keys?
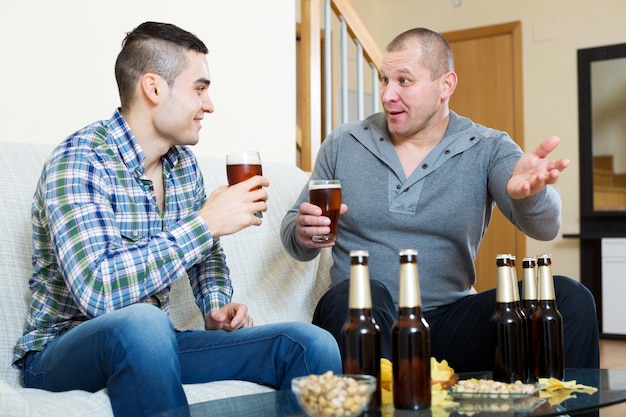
{"x": 448, "y": 84}
{"x": 152, "y": 86}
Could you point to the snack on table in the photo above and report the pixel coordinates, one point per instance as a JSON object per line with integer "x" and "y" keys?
{"x": 440, "y": 371}
{"x": 331, "y": 395}
{"x": 485, "y": 388}
{"x": 553, "y": 384}
{"x": 441, "y": 374}
{"x": 386, "y": 374}
{"x": 557, "y": 391}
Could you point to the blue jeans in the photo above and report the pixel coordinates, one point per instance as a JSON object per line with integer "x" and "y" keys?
{"x": 138, "y": 356}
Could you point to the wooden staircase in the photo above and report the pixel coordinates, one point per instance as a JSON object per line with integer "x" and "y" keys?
{"x": 314, "y": 82}
{"x": 609, "y": 187}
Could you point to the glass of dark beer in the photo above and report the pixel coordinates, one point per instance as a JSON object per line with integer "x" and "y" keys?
{"x": 326, "y": 194}
{"x": 243, "y": 165}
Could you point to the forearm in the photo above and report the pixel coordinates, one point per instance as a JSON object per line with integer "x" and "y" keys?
{"x": 105, "y": 272}
{"x": 210, "y": 280}
{"x": 538, "y": 216}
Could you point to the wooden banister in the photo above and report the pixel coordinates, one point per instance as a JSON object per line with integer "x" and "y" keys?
{"x": 310, "y": 96}
{"x": 311, "y": 76}
{"x": 358, "y": 31}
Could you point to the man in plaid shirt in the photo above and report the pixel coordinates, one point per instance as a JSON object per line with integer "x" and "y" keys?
{"x": 119, "y": 214}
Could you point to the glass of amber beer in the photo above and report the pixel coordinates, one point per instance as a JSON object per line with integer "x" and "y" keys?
{"x": 326, "y": 194}
{"x": 243, "y": 165}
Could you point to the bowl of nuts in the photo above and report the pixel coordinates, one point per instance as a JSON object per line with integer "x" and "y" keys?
{"x": 331, "y": 395}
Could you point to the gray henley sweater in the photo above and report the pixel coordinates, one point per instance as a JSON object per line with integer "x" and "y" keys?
{"x": 442, "y": 210}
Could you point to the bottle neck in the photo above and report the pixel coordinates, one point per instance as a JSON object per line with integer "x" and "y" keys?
{"x": 409, "y": 312}
{"x": 504, "y": 285}
{"x": 545, "y": 284}
{"x": 504, "y": 306}
{"x": 547, "y": 304}
{"x": 360, "y": 313}
{"x": 360, "y": 292}
{"x": 529, "y": 284}
{"x": 409, "y": 292}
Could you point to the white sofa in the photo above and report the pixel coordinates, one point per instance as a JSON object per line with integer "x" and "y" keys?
{"x": 265, "y": 277}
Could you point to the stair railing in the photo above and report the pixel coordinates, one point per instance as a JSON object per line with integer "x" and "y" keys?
{"x": 316, "y": 119}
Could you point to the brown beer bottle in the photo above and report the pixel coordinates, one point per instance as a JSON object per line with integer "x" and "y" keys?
{"x": 529, "y": 286}
{"x": 526, "y": 331}
{"x": 515, "y": 287}
{"x": 361, "y": 334}
{"x": 529, "y": 306}
{"x": 507, "y": 328}
{"x": 548, "y": 354}
{"x": 410, "y": 341}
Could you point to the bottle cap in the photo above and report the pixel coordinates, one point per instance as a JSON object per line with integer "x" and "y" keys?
{"x": 359, "y": 256}
{"x": 545, "y": 259}
{"x": 528, "y": 262}
{"x": 503, "y": 259}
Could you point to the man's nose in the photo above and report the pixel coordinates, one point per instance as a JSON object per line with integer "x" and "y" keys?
{"x": 388, "y": 93}
{"x": 207, "y": 105}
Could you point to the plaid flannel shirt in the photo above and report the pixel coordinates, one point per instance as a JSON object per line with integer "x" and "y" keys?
{"x": 100, "y": 242}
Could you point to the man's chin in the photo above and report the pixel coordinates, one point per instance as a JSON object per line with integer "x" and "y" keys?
{"x": 188, "y": 142}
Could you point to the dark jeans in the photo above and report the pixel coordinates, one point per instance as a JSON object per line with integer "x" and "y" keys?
{"x": 461, "y": 333}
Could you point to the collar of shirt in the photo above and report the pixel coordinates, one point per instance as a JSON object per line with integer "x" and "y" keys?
{"x": 129, "y": 148}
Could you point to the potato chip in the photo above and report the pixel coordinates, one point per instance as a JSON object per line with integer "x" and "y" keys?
{"x": 440, "y": 371}
{"x": 557, "y": 391}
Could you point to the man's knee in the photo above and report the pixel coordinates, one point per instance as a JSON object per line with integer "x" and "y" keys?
{"x": 570, "y": 291}
{"x": 139, "y": 325}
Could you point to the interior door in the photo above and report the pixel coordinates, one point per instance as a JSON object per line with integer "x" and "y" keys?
{"x": 489, "y": 91}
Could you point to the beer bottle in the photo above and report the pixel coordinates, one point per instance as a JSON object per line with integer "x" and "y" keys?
{"x": 361, "y": 334}
{"x": 529, "y": 286}
{"x": 526, "y": 331}
{"x": 515, "y": 287}
{"x": 507, "y": 328}
{"x": 529, "y": 306}
{"x": 548, "y": 354}
{"x": 410, "y": 341}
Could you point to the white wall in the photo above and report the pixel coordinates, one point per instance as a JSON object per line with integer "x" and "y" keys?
{"x": 57, "y": 59}
{"x": 552, "y": 31}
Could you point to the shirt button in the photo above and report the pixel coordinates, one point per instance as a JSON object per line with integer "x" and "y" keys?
{"x": 398, "y": 186}
{"x": 424, "y": 166}
{"x": 135, "y": 233}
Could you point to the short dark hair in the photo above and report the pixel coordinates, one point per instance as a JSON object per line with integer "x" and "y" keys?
{"x": 153, "y": 47}
{"x": 436, "y": 52}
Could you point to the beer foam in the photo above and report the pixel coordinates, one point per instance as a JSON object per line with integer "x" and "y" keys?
{"x": 323, "y": 186}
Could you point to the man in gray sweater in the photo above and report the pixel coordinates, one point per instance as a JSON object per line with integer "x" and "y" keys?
{"x": 420, "y": 176}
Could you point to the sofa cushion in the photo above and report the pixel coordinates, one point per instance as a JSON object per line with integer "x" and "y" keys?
{"x": 17, "y": 185}
{"x": 27, "y": 402}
